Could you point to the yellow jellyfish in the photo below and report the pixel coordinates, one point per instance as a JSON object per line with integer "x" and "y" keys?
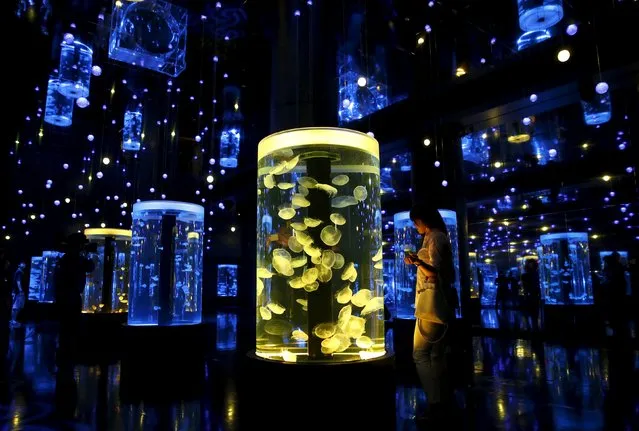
{"x": 302, "y": 302}
{"x": 312, "y": 222}
{"x": 282, "y": 266}
{"x": 340, "y": 180}
{"x": 276, "y": 308}
{"x": 338, "y": 219}
{"x": 325, "y": 330}
{"x": 375, "y": 304}
{"x": 303, "y": 238}
{"x": 299, "y": 262}
{"x": 378, "y": 256}
{"x": 344, "y": 315}
{"x": 278, "y": 327}
{"x": 348, "y": 271}
{"x": 344, "y": 342}
{"x": 264, "y": 273}
{"x": 299, "y": 335}
{"x": 260, "y": 287}
{"x": 269, "y": 181}
{"x": 330, "y": 345}
{"x": 265, "y": 313}
{"x": 378, "y": 265}
{"x": 307, "y": 182}
{"x": 355, "y": 327}
{"x": 302, "y": 190}
{"x": 310, "y": 275}
{"x": 330, "y": 235}
{"x": 285, "y": 186}
{"x": 343, "y": 296}
{"x": 339, "y": 261}
{"x": 364, "y": 342}
{"x": 278, "y": 169}
{"x": 316, "y": 260}
{"x": 328, "y": 189}
{"x": 312, "y": 250}
{"x": 360, "y": 193}
{"x": 300, "y": 201}
{"x": 295, "y": 245}
{"x": 328, "y": 258}
{"x": 298, "y": 226}
{"x": 325, "y": 274}
{"x": 297, "y": 283}
{"x": 343, "y": 201}
{"x": 312, "y": 287}
{"x": 286, "y": 213}
{"x": 361, "y": 298}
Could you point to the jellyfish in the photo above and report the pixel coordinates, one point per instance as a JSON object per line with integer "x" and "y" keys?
{"x": 286, "y": 213}
{"x": 312, "y": 287}
{"x": 343, "y": 296}
{"x": 361, "y": 298}
{"x": 304, "y": 238}
{"x": 338, "y": 219}
{"x": 325, "y": 274}
{"x": 343, "y": 201}
{"x": 344, "y": 315}
{"x": 307, "y": 182}
{"x": 297, "y": 283}
{"x": 265, "y": 313}
{"x": 316, "y": 260}
{"x": 278, "y": 327}
{"x": 310, "y": 275}
{"x": 328, "y": 258}
{"x": 295, "y": 245}
{"x": 264, "y": 273}
{"x": 302, "y": 190}
{"x": 302, "y": 302}
{"x": 355, "y": 327}
{"x": 375, "y": 304}
{"x": 285, "y": 186}
{"x": 276, "y": 308}
{"x": 312, "y": 222}
{"x": 260, "y": 286}
{"x": 299, "y": 335}
{"x": 364, "y": 342}
{"x": 312, "y": 250}
{"x": 300, "y": 201}
{"x": 349, "y": 270}
{"x": 378, "y": 256}
{"x": 299, "y": 262}
{"x": 330, "y": 345}
{"x": 330, "y": 235}
{"x": 330, "y": 190}
{"x": 360, "y": 193}
{"x": 340, "y": 180}
{"x": 325, "y": 330}
{"x": 378, "y": 265}
{"x": 339, "y": 261}
{"x": 269, "y": 181}
{"x": 298, "y": 226}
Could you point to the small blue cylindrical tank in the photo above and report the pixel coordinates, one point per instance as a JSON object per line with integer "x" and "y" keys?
{"x": 58, "y": 110}
{"x": 132, "y": 131}
{"x": 166, "y": 263}
{"x": 76, "y": 60}
{"x": 49, "y": 264}
{"x": 539, "y": 14}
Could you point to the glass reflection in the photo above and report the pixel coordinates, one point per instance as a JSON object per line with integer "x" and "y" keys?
{"x": 226, "y": 331}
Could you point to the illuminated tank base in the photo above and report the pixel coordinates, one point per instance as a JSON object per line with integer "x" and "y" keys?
{"x": 308, "y": 395}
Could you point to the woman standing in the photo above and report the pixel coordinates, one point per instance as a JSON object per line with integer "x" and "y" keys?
{"x": 435, "y": 303}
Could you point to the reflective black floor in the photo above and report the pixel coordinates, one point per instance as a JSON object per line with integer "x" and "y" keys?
{"x": 518, "y": 385}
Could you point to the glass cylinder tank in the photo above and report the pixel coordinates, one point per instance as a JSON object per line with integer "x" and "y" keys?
{"x": 320, "y": 294}
{"x": 111, "y": 259}
{"x": 231, "y": 135}
{"x": 407, "y": 239}
{"x": 598, "y": 110}
{"x": 132, "y": 131}
{"x": 166, "y": 263}
{"x": 227, "y": 280}
{"x": 35, "y": 278}
{"x": 565, "y": 269}
{"x": 49, "y": 266}
{"x": 58, "y": 110}
{"x": 76, "y": 60}
{"x": 539, "y": 14}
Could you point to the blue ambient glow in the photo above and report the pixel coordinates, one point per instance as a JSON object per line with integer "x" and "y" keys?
{"x": 35, "y": 278}
{"x": 49, "y": 264}
{"x": 132, "y": 131}
{"x": 475, "y": 149}
{"x": 227, "y": 280}
{"x": 531, "y": 38}
{"x": 226, "y": 332}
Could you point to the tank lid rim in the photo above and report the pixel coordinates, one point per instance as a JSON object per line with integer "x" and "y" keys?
{"x": 564, "y": 235}
{"x": 125, "y": 233}
{"x": 307, "y": 136}
{"x": 170, "y": 206}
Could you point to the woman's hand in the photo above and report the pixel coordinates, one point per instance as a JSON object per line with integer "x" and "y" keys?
{"x": 409, "y": 259}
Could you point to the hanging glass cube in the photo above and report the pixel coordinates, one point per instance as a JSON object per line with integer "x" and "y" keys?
{"x": 35, "y": 278}
{"x": 132, "y": 131}
{"x": 360, "y": 94}
{"x": 227, "y": 280}
{"x": 166, "y": 263}
{"x": 76, "y": 60}
{"x": 539, "y": 14}
{"x": 475, "y": 149}
{"x": 564, "y": 270}
{"x": 59, "y": 108}
{"x": 598, "y": 110}
{"x": 149, "y": 34}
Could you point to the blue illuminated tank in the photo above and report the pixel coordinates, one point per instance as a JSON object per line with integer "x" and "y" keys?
{"x": 35, "y": 278}
{"x": 320, "y": 293}
{"x": 407, "y": 239}
{"x": 111, "y": 269}
{"x": 531, "y": 38}
{"x": 227, "y": 280}
{"x": 598, "y": 110}
{"x": 231, "y": 135}
{"x": 76, "y": 60}
{"x": 539, "y": 14}
{"x": 475, "y": 149}
{"x": 226, "y": 331}
{"x": 473, "y": 276}
{"x": 388, "y": 274}
{"x": 58, "y": 110}
{"x": 487, "y": 274}
{"x": 132, "y": 131}
{"x": 149, "y": 34}
{"x": 564, "y": 269}
{"x": 166, "y": 263}
{"x": 49, "y": 266}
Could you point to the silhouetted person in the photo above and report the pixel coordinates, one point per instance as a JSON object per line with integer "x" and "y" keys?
{"x": 615, "y": 291}
{"x": 503, "y": 290}
{"x": 18, "y": 293}
{"x": 532, "y": 291}
{"x": 70, "y": 279}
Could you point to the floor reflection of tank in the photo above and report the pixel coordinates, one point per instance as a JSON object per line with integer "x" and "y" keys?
{"x": 226, "y": 338}
{"x": 575, "y": 379}
{"x": 35, "y": 278}
{"x": 410, "y": 401}
{"x": 39, "y": 359}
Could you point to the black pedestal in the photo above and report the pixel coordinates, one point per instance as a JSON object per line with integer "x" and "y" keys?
{"x": 99, "y": 337}
{"x": 163, "y": 362}
{"x": 326, "y": 396}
